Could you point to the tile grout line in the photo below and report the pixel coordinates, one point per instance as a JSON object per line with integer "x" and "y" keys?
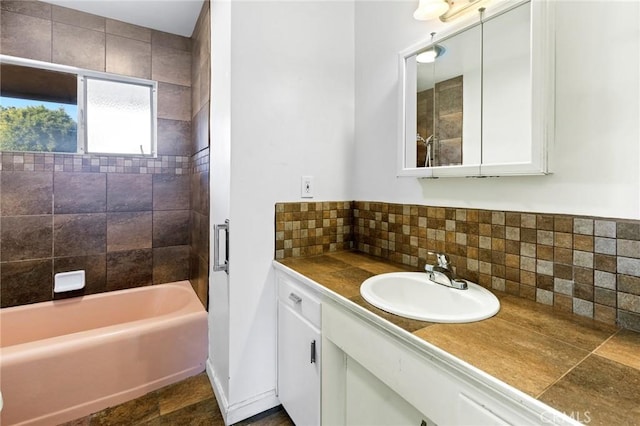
{"x": 593, "y": 352}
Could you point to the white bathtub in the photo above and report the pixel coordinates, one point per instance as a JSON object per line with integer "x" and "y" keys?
{"x": 66, "y": 359}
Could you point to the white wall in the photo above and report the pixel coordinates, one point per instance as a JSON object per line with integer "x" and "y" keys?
{"x": 596, "y": 156}
{"x": 291, "y": 114}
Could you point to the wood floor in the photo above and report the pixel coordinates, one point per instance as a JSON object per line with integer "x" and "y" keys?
{"x": 190, "y": 402}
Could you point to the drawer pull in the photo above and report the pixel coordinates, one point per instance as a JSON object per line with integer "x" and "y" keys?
{"x": 295, "y": 298}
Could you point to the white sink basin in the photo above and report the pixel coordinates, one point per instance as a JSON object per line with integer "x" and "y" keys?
{"x": 413, "y": 295}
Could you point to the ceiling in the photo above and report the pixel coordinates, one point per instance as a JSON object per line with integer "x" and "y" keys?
{"x": 172, "y": 16}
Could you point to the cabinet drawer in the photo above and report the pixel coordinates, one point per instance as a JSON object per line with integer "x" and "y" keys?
{"x": 299, "y": 299}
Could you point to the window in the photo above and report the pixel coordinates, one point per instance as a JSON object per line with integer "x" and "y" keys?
{"x": 52, "y": 108}
{"x": 38, "y": 110}
{"x": 128, "y": 105}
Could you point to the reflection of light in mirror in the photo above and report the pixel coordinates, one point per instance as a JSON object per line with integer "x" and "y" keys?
{"x": 426, "y": 57}
{"x": 430, "y": 55}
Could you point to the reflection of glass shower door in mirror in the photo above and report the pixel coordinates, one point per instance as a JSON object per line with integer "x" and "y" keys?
{"x": 448, "y": 121}
{"x": 440, "y": 115}
{"x": 446, "y": 88}
{"x": 424, "y": 115}
{"x": 458, "y": 89}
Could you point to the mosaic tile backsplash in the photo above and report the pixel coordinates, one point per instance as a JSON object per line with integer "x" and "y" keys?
{"x": 304, "y": 229}
{"x": 585, "y": 265}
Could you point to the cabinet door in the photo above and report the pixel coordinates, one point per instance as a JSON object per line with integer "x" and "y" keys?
{"x": 298, "y": 367}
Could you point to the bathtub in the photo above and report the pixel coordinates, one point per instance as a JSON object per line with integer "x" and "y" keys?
{"x": 66, "y": 359}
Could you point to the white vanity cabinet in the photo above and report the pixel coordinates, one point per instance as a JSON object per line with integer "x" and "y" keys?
{"x": 372, "y": 376}
{"x": 299, "y": 350}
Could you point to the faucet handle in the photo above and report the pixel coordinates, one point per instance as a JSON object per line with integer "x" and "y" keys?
{"x": 443, "y": 259}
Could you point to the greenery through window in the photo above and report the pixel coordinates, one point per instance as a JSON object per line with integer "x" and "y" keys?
{"x": 37, "y": 126}
{"x": 38, "y": 110}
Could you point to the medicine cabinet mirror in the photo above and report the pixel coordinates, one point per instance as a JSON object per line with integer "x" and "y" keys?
{"x": 484, "y": 105}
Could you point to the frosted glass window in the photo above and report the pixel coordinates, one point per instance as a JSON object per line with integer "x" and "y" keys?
{"x": 119, "y": 117}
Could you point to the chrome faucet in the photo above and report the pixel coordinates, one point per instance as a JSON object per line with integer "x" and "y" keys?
{"x": 443, "y": 274}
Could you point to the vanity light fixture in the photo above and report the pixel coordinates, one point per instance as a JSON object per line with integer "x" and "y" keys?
{"x": 458, "y": 9}
{"x": 430, "y": 55}
{"x": 430, "y": 9}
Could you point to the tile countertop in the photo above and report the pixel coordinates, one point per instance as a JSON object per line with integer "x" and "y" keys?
{"x": 586, "y": 369}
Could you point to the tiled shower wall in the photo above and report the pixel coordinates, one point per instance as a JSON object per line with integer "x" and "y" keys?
{"x": 585, "y": 265}
{"x": 125, "y": 220}
{"x": 199, "y": 211}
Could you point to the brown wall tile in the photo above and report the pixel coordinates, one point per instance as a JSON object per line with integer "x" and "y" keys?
{"x": 25, "y": 237}
{"x": 628, "y": 231}
{"x": 194, "y": 231}
{"x": 174, "y": 102}
{"x": 198, "y": 275}
{"x": 159, "y": 38}
{"x": 605, "y": 297}
{"x": 37, "y": 9}
{"x": 26, "y": 193}
{"x": 128, "y": 231}
{"x": 196, "y": 192}
{"x": 605, "y": 262}
{"x": 583, "y": 242}
{"x": 79, "y": 234}
{"x": 78, "y": 47}
{"x": 171, "y": 65}
{"x": 563, "y": 224}
{"x": 170, "y": 192}
{"x": 200, "y": 130}
{"x": 80, "y": 192}
{"x": 170, "y": 264}
{"x": 77, "y": 18}
{"x": 124, "y": 29}
{"x": 629, "y": 320}
{"x": 203, "y": 236}
{"x": 629, "y": 284}
{"x": 170, "y": 228}
{"x": 129, "y": 192}
{"x": 25, "y": 36}
{"x": 128, "y": 57}
{"x": 201, "y": 202}
{"x": 174, "y": 137}
{"x": 25, "y": 282}
{"x": 127, "y": 269}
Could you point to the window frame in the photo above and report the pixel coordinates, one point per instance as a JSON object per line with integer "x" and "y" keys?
{"x": 82, "y": 75}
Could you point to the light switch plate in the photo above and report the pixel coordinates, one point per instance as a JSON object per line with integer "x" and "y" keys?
{"x": 307, "y": 187}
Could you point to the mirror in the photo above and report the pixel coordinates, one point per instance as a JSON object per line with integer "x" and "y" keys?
{"x": 483, "y": 106}
{"x": 506, "y": 88}
{"x": 448, "y": 103}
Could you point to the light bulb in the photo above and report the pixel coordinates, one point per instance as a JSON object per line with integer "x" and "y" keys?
{"x": 430, "y": 9}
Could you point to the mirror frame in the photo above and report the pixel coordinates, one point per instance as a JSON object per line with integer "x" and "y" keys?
{"x": 542, "y": 89}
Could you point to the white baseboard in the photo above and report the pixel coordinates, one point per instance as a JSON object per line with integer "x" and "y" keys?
{"x": 241, "y": 410}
